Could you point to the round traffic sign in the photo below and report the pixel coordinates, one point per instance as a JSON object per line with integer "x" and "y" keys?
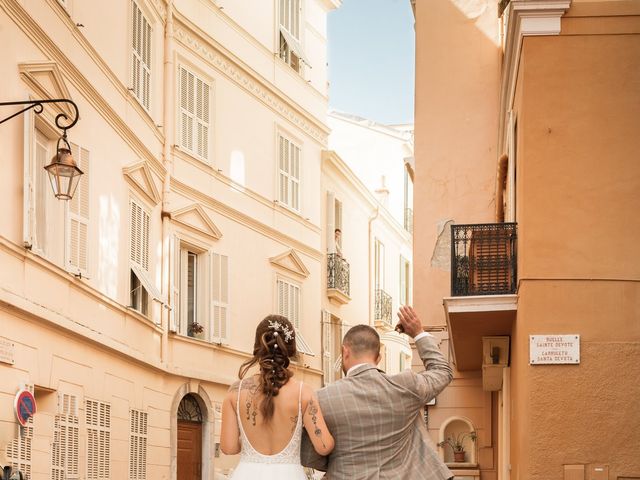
{"x": 24, "y": 406}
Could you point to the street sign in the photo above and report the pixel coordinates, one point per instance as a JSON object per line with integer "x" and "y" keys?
{"x": 7, "y": 351}
{"x": 554, "y": 349}
{"x": 24, "y": 406}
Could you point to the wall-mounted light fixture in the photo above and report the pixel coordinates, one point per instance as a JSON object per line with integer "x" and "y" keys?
{"x": 63, "y": 172}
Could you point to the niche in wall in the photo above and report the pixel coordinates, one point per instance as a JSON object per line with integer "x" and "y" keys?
{"x": 459, "y": 428}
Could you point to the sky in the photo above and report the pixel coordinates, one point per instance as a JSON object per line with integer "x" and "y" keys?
{"x": 371, "y": 60}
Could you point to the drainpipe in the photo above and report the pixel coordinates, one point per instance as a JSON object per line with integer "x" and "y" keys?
{"x": 167, "y": 161}
{"x": 371, "y": 220}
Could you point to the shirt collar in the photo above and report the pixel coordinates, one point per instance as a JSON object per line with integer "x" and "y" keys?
{"x": 356, "y": 366}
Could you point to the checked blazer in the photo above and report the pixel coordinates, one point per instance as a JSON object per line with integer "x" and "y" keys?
{"x": 376, "y": 421}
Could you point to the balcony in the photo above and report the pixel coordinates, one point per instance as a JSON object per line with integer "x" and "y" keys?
{"x": 338, "y": 278}
{"x": 384, "y": 305}
{"x": 484, "y": 283}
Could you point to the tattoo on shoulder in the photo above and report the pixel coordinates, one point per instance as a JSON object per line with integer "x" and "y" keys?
{"x": 235, "y": 386}
{"x": 313, "y": 413}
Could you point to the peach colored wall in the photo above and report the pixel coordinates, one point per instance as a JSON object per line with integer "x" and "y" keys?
{"x": 456, "y": 112}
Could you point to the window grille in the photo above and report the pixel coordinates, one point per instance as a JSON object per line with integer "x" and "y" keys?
{"x": 98, "y": 422}
{"x": 138, "y": 422}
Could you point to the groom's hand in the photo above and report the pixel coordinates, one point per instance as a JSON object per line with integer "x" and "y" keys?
{"x": 409, "y": 321}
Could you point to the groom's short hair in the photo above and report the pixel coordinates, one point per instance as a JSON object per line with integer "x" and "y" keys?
{"x": 362, "y": 340}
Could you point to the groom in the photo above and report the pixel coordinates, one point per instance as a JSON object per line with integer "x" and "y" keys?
{"x": 376, "y": 419}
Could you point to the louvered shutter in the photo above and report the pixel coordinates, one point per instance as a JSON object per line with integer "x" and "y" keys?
{"x": 289, "y": 301}
{"x": 141, "y": 56}
{"x": 331, "y": 223}
{"x": 174, "y": 315}
{"x": 139, "y": 250}
{"x": 41, "y": 192}
{"x": 294, "y": 177}
{"x": 28, "y": 200}
{"x": 65, "y": 447}
{"x": 18, "y": 451}
{"x": 283, "y": 154}
{"x": 138, "y": 423}
{"x": 220, "y": 317}
{"x": 78, "y": 216}
{"x": 327, "y": 367}
{"x": 98, "y": 421}
{"x": 194, "y": 113}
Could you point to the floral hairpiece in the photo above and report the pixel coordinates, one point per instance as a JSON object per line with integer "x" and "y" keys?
{"x": 280, "y": 327}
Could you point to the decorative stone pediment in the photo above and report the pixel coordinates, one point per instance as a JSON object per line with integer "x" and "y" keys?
{"x": 47, "y": 83}
{"x": 291, "y": 262}
{"x": 196, "y": 219}
{"x": 140, "y": 177}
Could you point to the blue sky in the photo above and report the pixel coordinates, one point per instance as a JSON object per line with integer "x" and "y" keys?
{"x": 371, "y": 59}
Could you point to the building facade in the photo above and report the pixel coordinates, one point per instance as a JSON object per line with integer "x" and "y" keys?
{"x": 128, "y": 310}
{"x": 367, "y": 183}
{"x": 525, "y": 179}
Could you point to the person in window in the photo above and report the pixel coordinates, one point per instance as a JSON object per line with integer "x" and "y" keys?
{"x": 338, "y": 241}
{"x": 263, "y": 414}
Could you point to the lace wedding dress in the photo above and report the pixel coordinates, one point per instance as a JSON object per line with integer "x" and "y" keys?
{"x": 284, "y": 465}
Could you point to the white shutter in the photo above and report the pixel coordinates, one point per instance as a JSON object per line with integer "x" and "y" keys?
{"x": 98, "y": 421}
{"x": 28, "y": 180}
{"x": 174, "y": 287}
{"x": 327, "y": 367}
{"x": 331, "y": 223}
{"x": 289, "y": 173}
{"x": 289, "y": 301}
{"x": 78, "y": 213}
{"x": 194, "y": 113}
{"x": 220, "y": 317}
{"x": 283, "y": 177}
{"x": 138, "y": 427}
{"x": 41, "y": 184}
{"x": 141, "y": 56}
{"x": 18, "y": 451}
{"x": 65, "y": 446}
{"x": 139, "y": 250}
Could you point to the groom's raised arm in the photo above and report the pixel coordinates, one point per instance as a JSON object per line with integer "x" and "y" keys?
{"x": 437, "y": 373}
{"x": 308, "y": 455}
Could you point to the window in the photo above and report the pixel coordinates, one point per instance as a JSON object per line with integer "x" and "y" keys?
{"x": 137, "y": 445}
{"x": 141, "y": 56}
{"x": 405, "y": 281}
{"x": 379, "y": 264}
{"x": 290, "y": 16}
{"x": 194, "y": 114}
{"x": 77, "y": 230}
{"x": 289, "y": 173}
{"x": 141, "y": 287}
{"x": 332, "y": 343}
{"x": 289, "y": 301}
{"x": 408, "y": 200}
{"x": 98, "y": 422}
{"x": 290, "y": 47}
{"x": 64, "y": 449}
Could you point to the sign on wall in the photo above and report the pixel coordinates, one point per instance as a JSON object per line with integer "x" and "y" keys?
{"x": 554, "y": 349}
{"x": 7, "y": 351}
{"x": 25, "y": 406}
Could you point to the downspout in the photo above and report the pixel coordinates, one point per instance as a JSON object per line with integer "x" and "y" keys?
{"x": 167, "y": 161}
{"x": 371, "y": 220}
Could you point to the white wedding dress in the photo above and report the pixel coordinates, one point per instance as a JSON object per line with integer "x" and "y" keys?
{"x": 284, "y": 465}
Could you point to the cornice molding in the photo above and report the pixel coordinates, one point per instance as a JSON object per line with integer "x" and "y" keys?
{"x": 194, "y": 218}
{"x": 291, "y": 262}
{"x": 190, "y": 36}
{"x": 38, "y": 74}
{"x": 243, "y": 219}
{"x": 16, "y": 12}
{"x": 525, "y": 18}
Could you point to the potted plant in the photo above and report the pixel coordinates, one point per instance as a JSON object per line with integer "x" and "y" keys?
{"x": 456, "y": 442}
{"x": 195, "y": 328}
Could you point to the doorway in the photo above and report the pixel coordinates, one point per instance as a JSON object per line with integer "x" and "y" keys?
{"x": 189, "y": 439}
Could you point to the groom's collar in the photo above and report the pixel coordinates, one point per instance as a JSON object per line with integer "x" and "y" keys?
{"x": 359, "y": 368}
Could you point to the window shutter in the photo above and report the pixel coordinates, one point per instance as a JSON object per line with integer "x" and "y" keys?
{"x": 289, "y": 301}
{"x": 40, "y": 194}
{"x": 139, "y": 235}
{"x": 295, "y": 177}
{"x": 331, "y": 223}
{"x": 18, "y": 451}
{"x": 289, "y": 173}
{"x": 220, "y": 331}
{"x": 78, "y": 216}
{"x": 327, "y": 367}
{"x": 138, "y": 422}
{"x": 65, "y": 446}
{"x": 28, "y": 180}
{"x": 98, "y": 421}
{"x": 194, "y": 113}
{"x": 141, "y": 56}
{"x": 174, "y": 315}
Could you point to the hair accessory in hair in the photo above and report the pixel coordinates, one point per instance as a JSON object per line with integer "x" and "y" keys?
{"x": 275, "y": 345}
{"x": 279, "y": 327}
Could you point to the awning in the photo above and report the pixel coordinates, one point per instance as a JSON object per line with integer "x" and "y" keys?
{"x": 146, "y": 282}
{"x": 302, "y": 346}
{"x": 294, "y": 45}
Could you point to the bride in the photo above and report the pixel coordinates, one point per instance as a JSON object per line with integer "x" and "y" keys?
{"x": 263, "y": 414}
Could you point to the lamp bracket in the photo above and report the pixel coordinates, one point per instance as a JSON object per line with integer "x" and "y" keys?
{"x": 38, "y": 107}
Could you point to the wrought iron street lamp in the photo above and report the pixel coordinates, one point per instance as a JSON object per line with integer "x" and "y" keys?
{"x": 63, "y": 172}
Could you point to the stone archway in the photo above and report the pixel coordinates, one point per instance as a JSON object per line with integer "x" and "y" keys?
{"x": 192, "y": 426}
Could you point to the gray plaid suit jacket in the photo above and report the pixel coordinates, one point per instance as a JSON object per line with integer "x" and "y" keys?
{"x": 376, "y": 420}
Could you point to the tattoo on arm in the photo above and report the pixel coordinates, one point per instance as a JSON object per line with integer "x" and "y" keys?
{"x": 313, "y": 412}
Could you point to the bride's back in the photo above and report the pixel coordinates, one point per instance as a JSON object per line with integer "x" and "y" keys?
{"x": 269, "y": 437}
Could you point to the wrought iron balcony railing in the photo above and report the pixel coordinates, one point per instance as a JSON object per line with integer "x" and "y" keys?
{"x": 484, "y": 259}
{"x": 383, "y": 307}
{"x": 338, "y": 273}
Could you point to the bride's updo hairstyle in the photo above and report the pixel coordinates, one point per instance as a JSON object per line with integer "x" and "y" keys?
{"x": 274, "y": 345}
